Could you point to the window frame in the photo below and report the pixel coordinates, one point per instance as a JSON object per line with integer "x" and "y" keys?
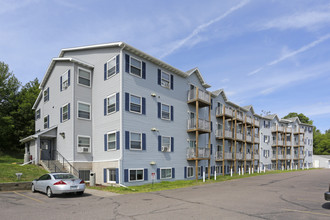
{"x": 90, "y": 77}
{"x": 170, "y": 144}
{"x": 136, "y": 180}
{"x": 161, "y": 112}
{"x": 115, "y": 104}
{"x": 46, "y": 123}
{"x": 89, "y": 145}
{"x": 130, "y": 141}
{"x": 163, "y": 79}
{"x": 192, "y": 171}
{"x": 66, "y": 73}
{"x": 38, "y": 114}
{"x": 115, "y": 141}
{"x": 115, "y": 67}
{"x": 66, "y": 105}
{"x": 130, "y": 96}
{"x": 46, "y": 97}
{"x": 165, "y": 168}
{"x": 130, "y": 66}
{"x": 90, "y": 110}
{"x": 109, "y": 176}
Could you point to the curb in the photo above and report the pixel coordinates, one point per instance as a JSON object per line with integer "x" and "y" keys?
{"x": 15, "y": 186}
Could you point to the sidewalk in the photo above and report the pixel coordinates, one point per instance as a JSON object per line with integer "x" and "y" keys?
{"x": 100, "y": 193}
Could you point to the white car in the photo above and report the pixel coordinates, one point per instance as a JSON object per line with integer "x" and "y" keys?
{"x": 58, "y": 183}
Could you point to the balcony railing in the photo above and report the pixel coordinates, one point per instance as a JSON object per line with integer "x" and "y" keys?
{"x": 299, "y": 130}
{"x": 288, "y": 130}
{"x": 280, "y": 142}
{"x": 256, "y": 139}
{"x": 279, "y": 156}
{"x": 239, "y": 136}
{"x": 228, "y": 156}
{"x": 288, "y": 156}
{"x": 248, "y": 157}
{"x": 204, "y": 96}
{"x": 239, "y": 156}
{"x": 256, "y": 156}
{"x": 248, "y": 138}
{"x": 226, "y": 111}
{"x": 256, "y": 122}
{"x": 218, "y": 155}
{"x": 203, "y": 152}
{"x": 239, "y": 117}
{"x": 202, "y": 124}
{"x": 249, "y": 119}
{"x": 295, "y": 156}
{"x": 288, "y": 143}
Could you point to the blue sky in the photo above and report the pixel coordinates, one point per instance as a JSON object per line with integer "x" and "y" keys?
{"x": 274, "y": 55}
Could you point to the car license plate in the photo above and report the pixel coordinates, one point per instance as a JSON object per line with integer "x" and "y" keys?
{"x": 73, "y": 187}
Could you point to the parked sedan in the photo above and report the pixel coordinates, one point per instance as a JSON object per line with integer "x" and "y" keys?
{"x": 327, "y": 195}
{"x": 58, "y": 183}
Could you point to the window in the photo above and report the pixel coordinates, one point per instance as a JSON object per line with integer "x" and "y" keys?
{"x": 111, "y": 141}
{"x": 135, "y": 104}
{"x": 84, "y": 174}
{"x": 166, "y": 173}
{"x": 111, "y": 104}
{"x": 166, "y": 112}
{"x": 46, "y": 95}
{"x": 199, "y": 171}
{"x": 65, "y": 80}
{"x": 84, "y": 77}
{"x": 266, "y": 139}
{"x": 84, "y": 144}
{"x": 136, "y": 66}
{"x": 190, "y": 172}
{"x": 38, "y": 114}
{"x": 192, "y": 143}
{"x": 165, "y": 80}
{"x": 266, "y": 153}
{"x": 135, "y": 141}
{"x": 65, "y": 112}
{"x": 84, "y": 110}
{"x": 111, "y": 67}
{"x": 136, "y": 175}
{"x": 217, "y": 169}
{"x": 46, "y": 121}
{"x": 166, "y": 144}
{"x": 112, "y": 176}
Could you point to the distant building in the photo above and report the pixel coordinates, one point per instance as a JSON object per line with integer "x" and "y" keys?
{"x": 128, "y": 117}
{"x": 321, "y": 161}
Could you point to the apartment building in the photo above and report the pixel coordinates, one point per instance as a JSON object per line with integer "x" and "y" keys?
{"x": 130, "y": 118}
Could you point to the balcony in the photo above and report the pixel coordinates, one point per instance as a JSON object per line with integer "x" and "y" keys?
{"x": 295, "y": 156}
{"x": 288, "y": 130}
{"x": 239, "y": 136}
{"x": 239, "y": 117}
{"x": 256, "y": 139}
{"x": 203, "y": 153}
{"x": 203, "y": 125}
{"x": 256, "y": 156}
{"x": 280, "y": 157}
{"x": 256, "y": 122}
{"x": 218, "y": 155}
{"x": 288, "y": 156}
{"x": 280, "y": 142}
{"x": 199, "y": 95}
{"x": 299, "y": 130}
{"x": 248, "y": 138}
{"x": 301, "y": 156}
{"x": 239, "y": 156}
{"x": 248, "y": 157}
{"x": 288, "y": 143}
{"x": 249, "y": 120}
{"x": 227, "y": 112}
{"x": 277, "y": 128}
{"x": 228, "y": 156}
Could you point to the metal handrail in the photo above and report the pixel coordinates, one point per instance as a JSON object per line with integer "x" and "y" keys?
{"x": 62, "y": 160}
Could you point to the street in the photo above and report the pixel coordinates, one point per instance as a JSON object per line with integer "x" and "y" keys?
{"x": 295, "y": 195}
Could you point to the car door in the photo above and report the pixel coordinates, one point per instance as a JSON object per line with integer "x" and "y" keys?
{"x": 42, "y": 182}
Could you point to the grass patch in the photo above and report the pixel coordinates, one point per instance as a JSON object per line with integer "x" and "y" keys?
{"x": 167, "y": 185}
{"x": 10, "y": 165}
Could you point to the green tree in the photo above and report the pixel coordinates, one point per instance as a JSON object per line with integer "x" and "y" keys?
{"x": 303, "y": 118}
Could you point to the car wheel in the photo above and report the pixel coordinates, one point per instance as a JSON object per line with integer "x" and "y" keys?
{"x": 33, "y": 188}
{"x": 49, "y": 192}
{"x": 80, "y": 193}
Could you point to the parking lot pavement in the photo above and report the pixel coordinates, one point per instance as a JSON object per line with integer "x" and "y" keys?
{"x": 296, "y": 195}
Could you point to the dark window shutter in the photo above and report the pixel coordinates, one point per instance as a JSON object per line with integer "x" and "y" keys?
{"x": 211, "y": 126}
{"x": 143, "y": 70}
{"x": 144, "y": 141}
{"x": 117, "y": 175}
{"x": 69, "y": 77}
{"x": 48, "y": 121}
{"x": 105, "y": 106}
{"x": 158, "y": 173}
{"x": 172, "y": 144}
{"x": 173, "y": 173}
{"x": 105, "y": 175}
{"x": 143, "y": 105}
{"x": 61, "y": 118}
{"x": 61, "y": 83}
{"x": 126, "y": 139}
{"x": 117, "y": 102}
{"x": 118, "y": 140}
{"x": 211, "y": 104}
{"x": 172, "y": 82}
{"x": 145, "y": 174}
{"x": 126, "y": 63}
{"x": 159, "y": 143}
{"x": 105, "y": 142}
{"x": 211, "y": 149}
{"x": 105, "y": 71}
{"x": 159, "y": 76}
{"x": 117, "y": 64}
{"x": 126, "y": 101}
{"x": 35, "y": 115}
{"x": 125, "y": 175}
{"x": 202, "y": 170}
{"x": 48, "y": 93}
{"x": 159, "y": 109}
{"x": 185, "y": 172}
{"x": 69, "y": 111}
{"x": 172, "y": 113}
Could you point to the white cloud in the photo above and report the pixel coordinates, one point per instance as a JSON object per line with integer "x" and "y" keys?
{"x": 202, "y": 28}
{"x": 10, "y": 5}
{"x": 293, "y": 53}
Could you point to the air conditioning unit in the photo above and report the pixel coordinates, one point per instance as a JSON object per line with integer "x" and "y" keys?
{"x": 165, "y": 148}
{"x": 65, "y": 85}
{"x": 85, "y": 149}
{"x": 165, "y": 84}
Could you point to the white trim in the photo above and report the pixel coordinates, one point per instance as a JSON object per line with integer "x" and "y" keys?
{"x": 66, "y": 72}
{"x": 90, "y": 145}
{"x": 130, "y": 140}
{"x": 43, "y": 94}
{"x": 140, "y": 97}
{"x": 130, "y": 64}
{"x": 39, "y": 114}
{"x": 67, "y": 104}
{"x": 107, "y": 103}
{"x": 165, "y": 168}
{"x": 188, "y": 171}
{"x": 161, "y": 79}
{"x": 129, "y": 175}
{"x": 170, "y": 146}
{"x": 108, "y": 66}
{"x": 112, "y": 132}
{"x": 46, "y": 116}
{"x": 108, "y": 175}
{"x": 169, "y": 112}
{"x": 90, "y": 110}
{"x": 90, "y": 77}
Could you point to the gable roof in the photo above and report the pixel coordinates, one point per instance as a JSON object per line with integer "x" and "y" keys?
{"x": 218, "y": 92}
{"x": 249, "y": 108}
{"x": 199, "y": 76}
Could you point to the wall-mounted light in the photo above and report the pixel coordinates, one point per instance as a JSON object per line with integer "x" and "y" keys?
{"x": 62, "y": 134}
{"x": 154, "y": 129}
{"x": 153, "y": 94}
{"x": 152, "y": 163}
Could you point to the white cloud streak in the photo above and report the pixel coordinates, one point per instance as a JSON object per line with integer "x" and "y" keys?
{"x": 291, "y": 54}
{"x": 202, "y": 28}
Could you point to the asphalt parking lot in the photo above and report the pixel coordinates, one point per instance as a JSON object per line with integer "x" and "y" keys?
{"x": 296, "y": 195}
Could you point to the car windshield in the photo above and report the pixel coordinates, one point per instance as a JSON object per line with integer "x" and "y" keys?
{"x": 64, "y": 176}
